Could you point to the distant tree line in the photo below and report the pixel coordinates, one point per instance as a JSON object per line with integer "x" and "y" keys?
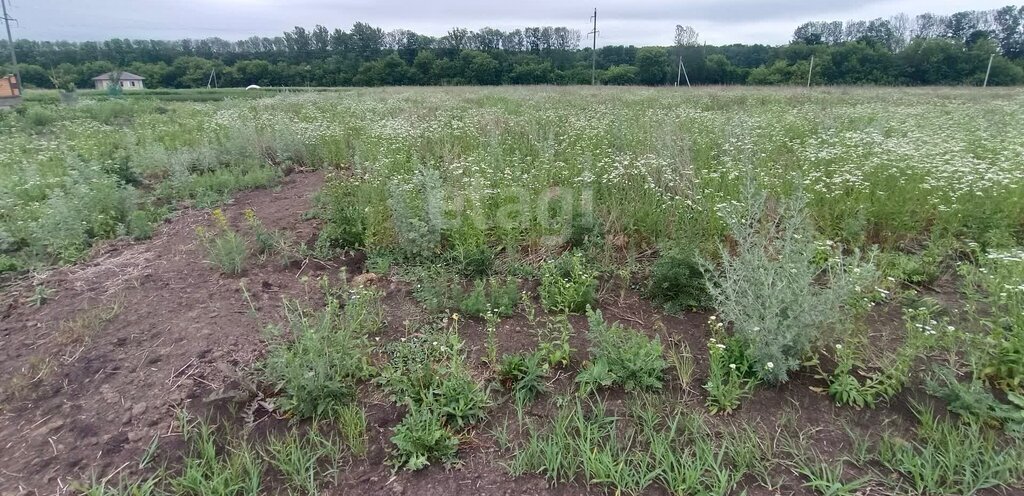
{"x": 924, "y": 50}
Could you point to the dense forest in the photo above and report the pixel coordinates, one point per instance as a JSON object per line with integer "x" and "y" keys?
{"x": 926, "y": 49}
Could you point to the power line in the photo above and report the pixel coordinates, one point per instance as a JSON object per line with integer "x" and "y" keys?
{"x": 10, "y": 41}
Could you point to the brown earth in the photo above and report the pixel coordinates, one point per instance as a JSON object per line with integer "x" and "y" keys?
{"x": 97, "y": 372}
{"x": 142, "y": 328}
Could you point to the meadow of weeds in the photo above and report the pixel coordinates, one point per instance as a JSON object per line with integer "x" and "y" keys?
{"x": 641, "y": 168}
{"x": 797, "y": 220}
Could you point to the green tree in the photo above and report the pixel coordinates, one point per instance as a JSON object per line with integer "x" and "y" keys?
{"x": 721, "y": 71}
{"x": 652, "y": 65}
{"x": 859, "y": 63}
{"x": 424, "y": 67}
{"x": 783, "y": 73}
{"x": 366, "y": 41}
{"x": 620, "y": 75}
{"x": 530, "y": 69}
{"x": 89, "y": 70}
{"x": 1004, "y": 72}
{"x": 388, "y": 71}
{"x": 190, "y": 72}
{"x": 247, "y": 72}
{"x": 34, "y": 76}
{"x": 1009, "y": 31}
{"x": 479, "y": 68}
{"x": 933, "y": 61}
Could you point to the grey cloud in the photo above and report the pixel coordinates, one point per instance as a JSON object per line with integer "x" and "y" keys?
{"x": 622, "y": 22}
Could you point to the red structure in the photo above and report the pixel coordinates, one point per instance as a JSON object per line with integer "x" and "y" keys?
{"x": 9, "y": 87}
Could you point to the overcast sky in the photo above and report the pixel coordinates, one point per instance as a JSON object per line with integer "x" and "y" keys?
{"x": 637, "y": 22}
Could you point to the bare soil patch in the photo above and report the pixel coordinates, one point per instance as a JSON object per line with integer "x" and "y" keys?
{"x": 93, "y": 374}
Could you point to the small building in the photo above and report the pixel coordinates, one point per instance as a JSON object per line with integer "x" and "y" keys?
{"x": 10, "y": 91}
{"x": 126, "y": 80}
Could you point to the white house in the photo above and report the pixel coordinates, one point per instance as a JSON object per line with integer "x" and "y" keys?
{"x": 127, "y": 80}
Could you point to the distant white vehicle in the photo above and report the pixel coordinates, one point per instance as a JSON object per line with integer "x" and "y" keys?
{"x": 253, "y": 87}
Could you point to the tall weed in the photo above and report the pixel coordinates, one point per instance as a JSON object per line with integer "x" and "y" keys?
{"x": 777, "y": 300}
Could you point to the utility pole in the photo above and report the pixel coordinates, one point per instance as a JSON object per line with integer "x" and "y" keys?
{"x": 809, "y": 71}
{"x": 989, "y": 70}
{"x": 10, "y": 44}
{"x": 593, "y": 52}
{"x": 682, "y": 70}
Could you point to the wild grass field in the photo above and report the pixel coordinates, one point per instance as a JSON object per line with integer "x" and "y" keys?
{"x": 534, "y": 290}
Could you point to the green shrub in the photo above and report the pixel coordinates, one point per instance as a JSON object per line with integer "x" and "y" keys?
{"x": 140, "y": 225}
{"x": 854, "y": 384}
{"x": 317, "y": 370}
{"x": 303, "y": 459}
{"x": 417, "y": 215}
{"x": 225, "y": 248}
{"x": 567, "y": 284}
{"x": 845, "y": 387}
{"x": 429, "y": 372}
{"x": 768, "y": 287}
{"x": 211, "y": 469}
{"x": 949, "y": 457}
{"x": 553, "y": 342}
{"x": 730, "y": 377}
{"x": 975, "y": 402}
{"x": 437, "y": 291}
{"x": 422, "y": 437}
{"x": 342, "y": 207}
{"x": 634, "y": 361}
{"x": 594, "y": 376}
{"x": 911, "y": 268}
{"x": 270, "y": 242}
{"x": 114, "y": 90}
{"x": 1005, "y": 364}
{"x": 210, "y": 187}
{"x": 120, "y": 167}
{"x": 110, "y": 111}
{"x": 474, "y": 301}
{"x": 996, "y": 282}
{"x": 470, "y": 254}
{"x": 677, "y": 280}
{"x": 459, "y": 398}
{"x": 8, "y": 264}
{"x": 38, "y": 117}
{"x": 433, "y": 288}
{"x": 500, "y": 297}
{"x": 586, "y": 230}
{"x": 88, "y": 205}
{"x": 524, "y": 374}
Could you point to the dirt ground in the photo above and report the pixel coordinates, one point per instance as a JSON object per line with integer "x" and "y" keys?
{"x": 140, "y": 329}
{"x": 93, "y": 375}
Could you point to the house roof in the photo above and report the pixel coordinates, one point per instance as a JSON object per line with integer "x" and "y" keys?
{"x": 125, "y": 76}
